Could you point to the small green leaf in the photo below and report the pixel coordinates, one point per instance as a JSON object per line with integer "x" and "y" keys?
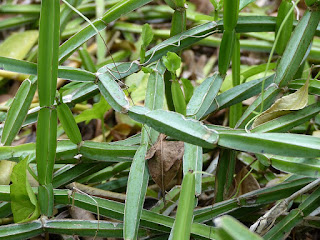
{"x": 147, "y": 70}
{"x": 172, "y": 62}
{"x": 147, "y": 35}
{"x": 178, "y": 98}
{"x": 24, "y": 203}
{"x": 187, "y": 88}
{"x": 96, "y": 112}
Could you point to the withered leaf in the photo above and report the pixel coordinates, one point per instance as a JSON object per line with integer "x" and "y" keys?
{"x": 248, "y": 184}
{"x": 165, "y": 159}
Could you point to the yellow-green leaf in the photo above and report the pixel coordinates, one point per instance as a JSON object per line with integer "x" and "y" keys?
{"x": 18, "y": 44}
{"x": 24, "y": 203}
{"x": 5, "y": 171}
{"x": 285, "y": 105}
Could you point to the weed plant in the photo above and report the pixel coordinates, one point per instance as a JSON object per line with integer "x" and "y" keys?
{"x": 100, "y": 60}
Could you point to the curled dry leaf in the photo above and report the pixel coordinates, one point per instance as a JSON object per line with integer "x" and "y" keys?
{"x": 248, "y": 183}
{"x": 165, "y": 159}
{"x": 285, "y": 105}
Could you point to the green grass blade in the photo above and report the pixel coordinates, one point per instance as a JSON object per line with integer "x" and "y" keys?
{"x": 68, "y": 123}
{"x": 297, "y": 47}
{"x": 47, "y": 55}
{"x": 115, "y": 210}
{"x": 182, "y": 224}
{"x": 79, "y": 171}
{"x": 18, "y": 111}
{"x": 123, "y": 7}
{"x": 283, "y": 144}
{"x": 314, "y": 85}
{"x": 136, "y": 190}
{"x": 21, "y": 231}
{"x": 17, "y": 21}
{"x": 234, "y": 229}
{"x": 238, "y": 94}
{"x": 107, "y": 152}
{"x": 69, "y": 73}
{"x": 255, "y": 198}
{"x": 175, "y": 125}
{"x": 224, "y": 174}
{"x": 300, "y": 166}
{"x": 87, "y": 228}
{"x": 192, "y": 160}
{"x": 139, "y": 176}
{"x": 295, "y": 216}
{"x": 204, "y": 96}
{"x": 46, "y": 143}
{"x": 20, "y": 9}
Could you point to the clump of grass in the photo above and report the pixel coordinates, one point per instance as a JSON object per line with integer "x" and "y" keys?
{"x": 113, "y": 179}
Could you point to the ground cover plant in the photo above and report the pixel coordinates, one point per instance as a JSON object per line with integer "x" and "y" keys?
{"x": 141, "y": 119}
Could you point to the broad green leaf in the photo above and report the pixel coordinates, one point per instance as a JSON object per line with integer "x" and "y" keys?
{"x": 24, "y": 203}
{"x": 96, "y": 112}
{"x": 234, "y": 229}
{"x": 18, "y": 44}
{"x": 172, "y": 62}
{"x": 285, "y": 105}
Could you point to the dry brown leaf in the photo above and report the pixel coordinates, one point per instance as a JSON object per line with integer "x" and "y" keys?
{"x": 165, "y": 159}
{"x": 248, "y": 184}
{"x": 285, "y": 105}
